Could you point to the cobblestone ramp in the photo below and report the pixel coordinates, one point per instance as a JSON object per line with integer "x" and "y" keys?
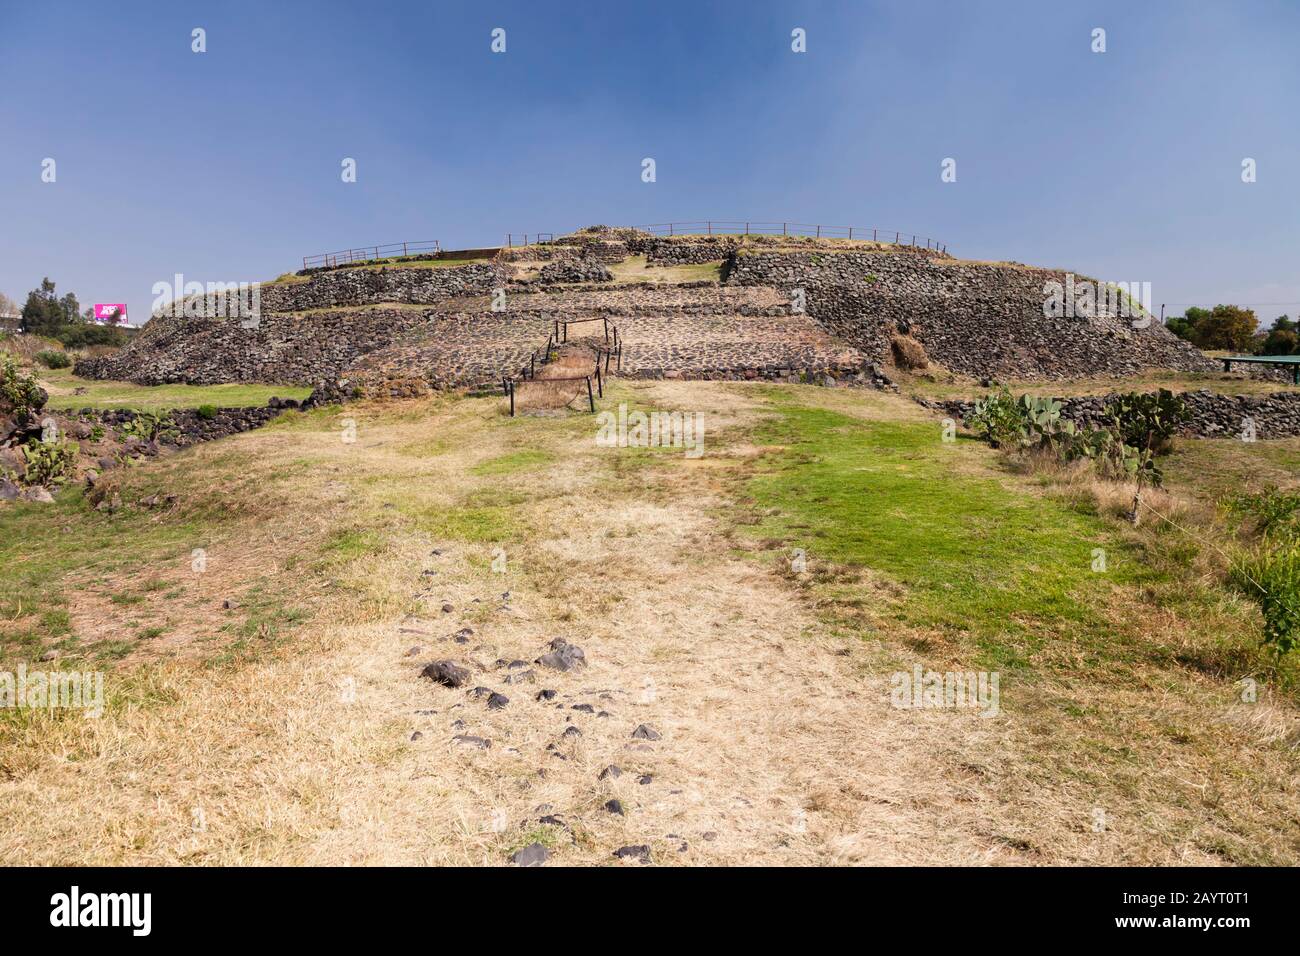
{"x": 698, "y": 330}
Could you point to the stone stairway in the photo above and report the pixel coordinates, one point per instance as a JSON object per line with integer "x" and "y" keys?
{"x": 693, "y": 330}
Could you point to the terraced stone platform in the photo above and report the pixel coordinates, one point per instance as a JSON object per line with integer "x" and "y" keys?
{"x": 699, "y": 330}
{"x": 408, "y": 328}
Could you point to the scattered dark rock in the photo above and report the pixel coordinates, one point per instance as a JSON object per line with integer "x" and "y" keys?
{"x": 640, "y": 853}
{"x": 612, "y": 771}
{"x": 497, "y": 701}
{"x": 447, "y": 673}
{"x": 563, "y": 656}
{"x": 523, "y": 677}
{"x": 418, "y": 735}
{"x": 645, "y": 732}
{"x": 545, "y": 695}
{"x": 447, "y": 608}
{"x": 411, "y": 652}
{"x": 471, "y": 741}
{"x": 585, "y": 708}
{"x": 614, "y": 806}
{"x": 571, "y": 732}
{"x": 532, "y": 855}
{"x": 646, "y": 778}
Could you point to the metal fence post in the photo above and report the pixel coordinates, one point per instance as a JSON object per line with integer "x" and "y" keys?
{"x": 590, "y": 398}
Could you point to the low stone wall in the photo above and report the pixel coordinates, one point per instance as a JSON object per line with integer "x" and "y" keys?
{"x": 574, "y": 270}
{"x": 730, "y": 344}
{"x": 867, "y": 375}
{"x": 983, "y": 320}
{"x": 420, "y": 286}
{"x": 194, "y": 428}
{"x": 1212, "y": 415}
{"x": 698, "y": 249}
{"x": 333, "y": 288}
{"x": 286, "y": 349}
{"x": 452, "y": 351}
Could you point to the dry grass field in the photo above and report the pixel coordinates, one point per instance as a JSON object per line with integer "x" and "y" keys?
{"x": 269, "y": 708}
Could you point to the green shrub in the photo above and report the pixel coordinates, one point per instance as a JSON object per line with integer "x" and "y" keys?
{"x": 207, "y": 411}
{"x": 1148, "y": 420}
{"x": 1276, "y": 513}
{"x": 1142, "y": 426}
{"x": 51, "y": 359}
{"x": 17, "y": 389}
{"x": 48, "y": 463}
{"x": 83, "y": 334}
{"x": 146, "y": 426}
{"x": 1272, "y": 580}
{"x": 1113, "y": 458}
{"x": 1000, "y": 420}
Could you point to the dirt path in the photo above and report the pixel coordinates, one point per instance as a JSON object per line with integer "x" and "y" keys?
{"x": 775, "y": 743}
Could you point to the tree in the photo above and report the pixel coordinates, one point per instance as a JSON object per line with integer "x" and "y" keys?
{"x": 1226, "y": 327}
{"x": 1185, "y": 326}
{"x": 42, "y": 313}
{"x": 1284, "y": 323}
{"x": 70, "y": 308}
{"x": 1280, "y": 342}
{"x": 45, "y": 313}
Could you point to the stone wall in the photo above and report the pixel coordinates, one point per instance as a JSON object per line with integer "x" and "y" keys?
{"x": 285, "y": 349}
{"x": 983, "y": 320}
{"x": 463, "y": 350}
{"x": 420, "y": 286}
{"x": 574, "y": 270}
{"x": 1212, "y": 415}
{"x": 697, "y": 249}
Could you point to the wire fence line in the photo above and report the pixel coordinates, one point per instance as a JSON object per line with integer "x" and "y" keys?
{"x": 741, "y": 227}
{"x": 699, "y": 227}
{"x": 387, "y": 250}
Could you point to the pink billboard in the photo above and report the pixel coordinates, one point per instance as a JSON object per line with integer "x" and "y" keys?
{"x": 113, "y": 312}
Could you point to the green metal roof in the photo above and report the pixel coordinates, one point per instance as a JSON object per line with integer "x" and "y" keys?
{"x": 1278, "y": 359}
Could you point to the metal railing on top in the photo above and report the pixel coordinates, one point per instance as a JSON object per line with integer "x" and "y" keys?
{"x": 328, "y": 260}
{"x": 521, "y": 238}
{"x": 737, "y": 227}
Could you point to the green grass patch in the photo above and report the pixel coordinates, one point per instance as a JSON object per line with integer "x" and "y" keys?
{"x": 62, "y": 385}
{"x": 973, "y": 556}
{"x": 475, "y": 525}
{"x": 511, "y": 463}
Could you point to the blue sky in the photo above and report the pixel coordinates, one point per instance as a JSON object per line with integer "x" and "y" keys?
{"x": 225, "y": 166}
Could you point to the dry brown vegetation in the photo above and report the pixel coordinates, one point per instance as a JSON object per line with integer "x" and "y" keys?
{"x": 316, "y": 741}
